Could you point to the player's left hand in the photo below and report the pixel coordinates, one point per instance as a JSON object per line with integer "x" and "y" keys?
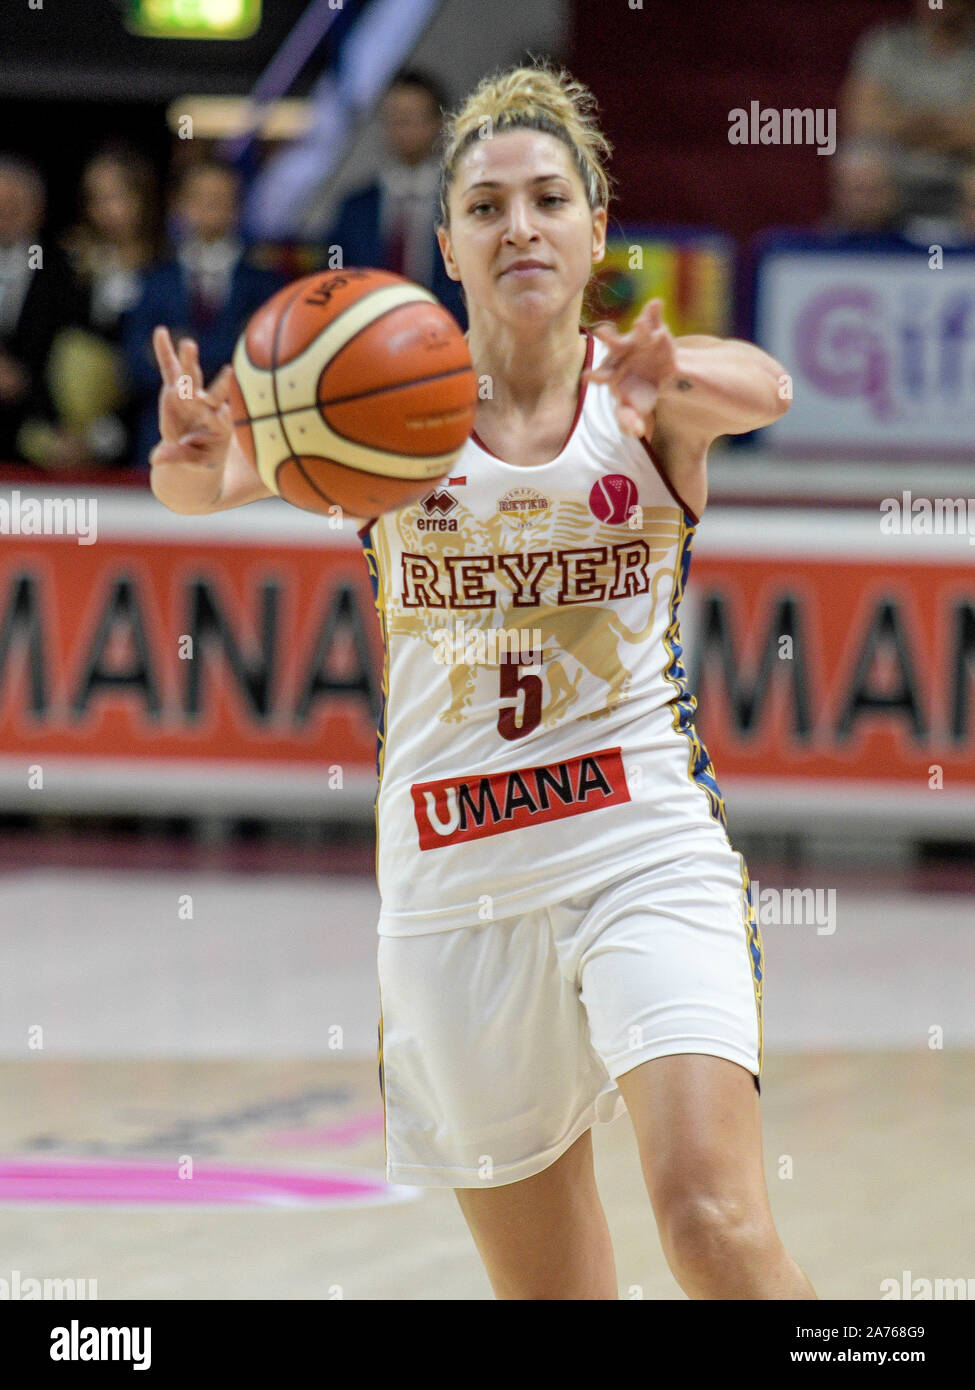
{"x": 640, "y": 365}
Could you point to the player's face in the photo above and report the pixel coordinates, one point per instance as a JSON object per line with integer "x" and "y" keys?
{"x": 518, "y": 196}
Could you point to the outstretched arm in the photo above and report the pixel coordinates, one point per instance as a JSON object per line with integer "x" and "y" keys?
{"x": 695, "y": 386}
{"x": 723, "y": 386}
{"x": 197, "y": 466}
{"x": 683, "y": 393}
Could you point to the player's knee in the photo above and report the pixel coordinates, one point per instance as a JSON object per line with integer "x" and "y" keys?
{"x": 703, "y": 1228}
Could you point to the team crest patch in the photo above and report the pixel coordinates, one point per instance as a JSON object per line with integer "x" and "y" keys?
{"x": 612, "y": 498}
{"x": 523, "y": 505}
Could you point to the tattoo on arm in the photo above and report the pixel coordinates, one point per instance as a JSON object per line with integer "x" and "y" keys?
{"x": 683, "y": 385}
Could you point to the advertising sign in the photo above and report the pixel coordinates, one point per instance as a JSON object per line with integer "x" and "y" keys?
{"x": 880, "y": 348}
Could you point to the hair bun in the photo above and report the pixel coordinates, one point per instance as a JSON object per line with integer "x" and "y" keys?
{"x": 537, "y": 96}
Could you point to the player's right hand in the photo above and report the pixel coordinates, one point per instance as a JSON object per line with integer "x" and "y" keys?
{"x": 195, "y": 424}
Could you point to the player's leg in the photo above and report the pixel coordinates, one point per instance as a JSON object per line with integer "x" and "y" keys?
{"x": 698, "y": 1126}
{"x": 546, "y": 1236}
{"x": 672, "y": 975}
{"x": 490, "y": 1087}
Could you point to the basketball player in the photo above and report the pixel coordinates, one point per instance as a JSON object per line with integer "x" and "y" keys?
{"x": 566, "y": 931}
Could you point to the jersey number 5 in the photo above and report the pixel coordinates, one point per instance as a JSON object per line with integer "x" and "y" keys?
{"x": 512, "y": 687}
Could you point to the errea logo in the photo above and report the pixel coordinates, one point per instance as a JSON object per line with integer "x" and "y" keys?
{"x": 440, "y": 501}
{"x": 436, "y": 506}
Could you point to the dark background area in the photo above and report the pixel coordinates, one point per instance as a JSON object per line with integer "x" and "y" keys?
{"x": 81, "y": 49}
{"x": 73, "y": 76}
{"x": 61, "y": 135}
{"x": 665, "y": 96}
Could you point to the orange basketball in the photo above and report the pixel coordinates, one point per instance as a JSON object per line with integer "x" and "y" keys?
{"x": 352, "y": 388}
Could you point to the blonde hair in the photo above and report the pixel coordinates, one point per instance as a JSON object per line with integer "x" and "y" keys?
{"x": 535, "y": 97}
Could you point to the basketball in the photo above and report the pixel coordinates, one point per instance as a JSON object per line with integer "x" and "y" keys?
{"x": 352, "y": 388}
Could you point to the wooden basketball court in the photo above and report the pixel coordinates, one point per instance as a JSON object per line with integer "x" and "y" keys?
{"x": 199, "y": 1058}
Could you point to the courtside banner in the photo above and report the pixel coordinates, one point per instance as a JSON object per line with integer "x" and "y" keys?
{"x": 184, "y": 662}
{"x": 833, "y": 657}
{"x": 880, "y": 348}
{"x": 232, "y": 662}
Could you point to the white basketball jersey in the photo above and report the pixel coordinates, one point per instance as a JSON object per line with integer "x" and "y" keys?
{"x": 537, "y": 734}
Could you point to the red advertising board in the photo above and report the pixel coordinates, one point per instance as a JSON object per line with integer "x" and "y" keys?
{"x": 834, "y": 663}
{"x": 235, "y": 660}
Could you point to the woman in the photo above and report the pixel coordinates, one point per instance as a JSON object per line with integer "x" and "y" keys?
{"x": 116, "y": 240}
{"x": 119, "y": 236}
{"x": 565, "y": 927}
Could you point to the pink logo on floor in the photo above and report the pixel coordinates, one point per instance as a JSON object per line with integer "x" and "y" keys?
{"x": 351, "y": 1131}
{"x": 131, "y": 1182}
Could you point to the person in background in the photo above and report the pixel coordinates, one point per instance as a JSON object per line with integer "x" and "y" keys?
{"x": 912, "y": 86}
{"x": 116, "y": 239}
{"x": 390, "y": 223}
{"x": 39, "y": 296}
{"x": 964, "y": 221}
{"x": 864, "y": 200}
{"x": 119, "y": 235}
{"x": 207, "y": 292}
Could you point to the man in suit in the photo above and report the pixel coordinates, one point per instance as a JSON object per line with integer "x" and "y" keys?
{"x": 208, "y": 292}
{"x": 38, "y": 297}
{"x": 390, "y": 222}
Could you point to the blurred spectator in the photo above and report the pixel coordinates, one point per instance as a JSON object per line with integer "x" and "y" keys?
{"x": 864, "y": 201}
{"x": 912, "y": 85}
{"x": 208, "y": 292}
{"x": 390, "y": 222}
{"x": 964, "y": 223}
{"x": 38, "y": 297}
{"x": 117, "y": 238}
{"x": 366, "y": 40}
{"x": 119, "y": 235}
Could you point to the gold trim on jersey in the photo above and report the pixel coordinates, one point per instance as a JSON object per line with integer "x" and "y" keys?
{"x": 382, "y": 1069}
{"x": 379, "y": 598}
{"x": 375, "y": 573}
{"x": 754, "y": 937}
{"x": 700, "y": 769}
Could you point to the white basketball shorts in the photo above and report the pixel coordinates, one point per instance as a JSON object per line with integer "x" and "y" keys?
{"x": 500, "y": 1043}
